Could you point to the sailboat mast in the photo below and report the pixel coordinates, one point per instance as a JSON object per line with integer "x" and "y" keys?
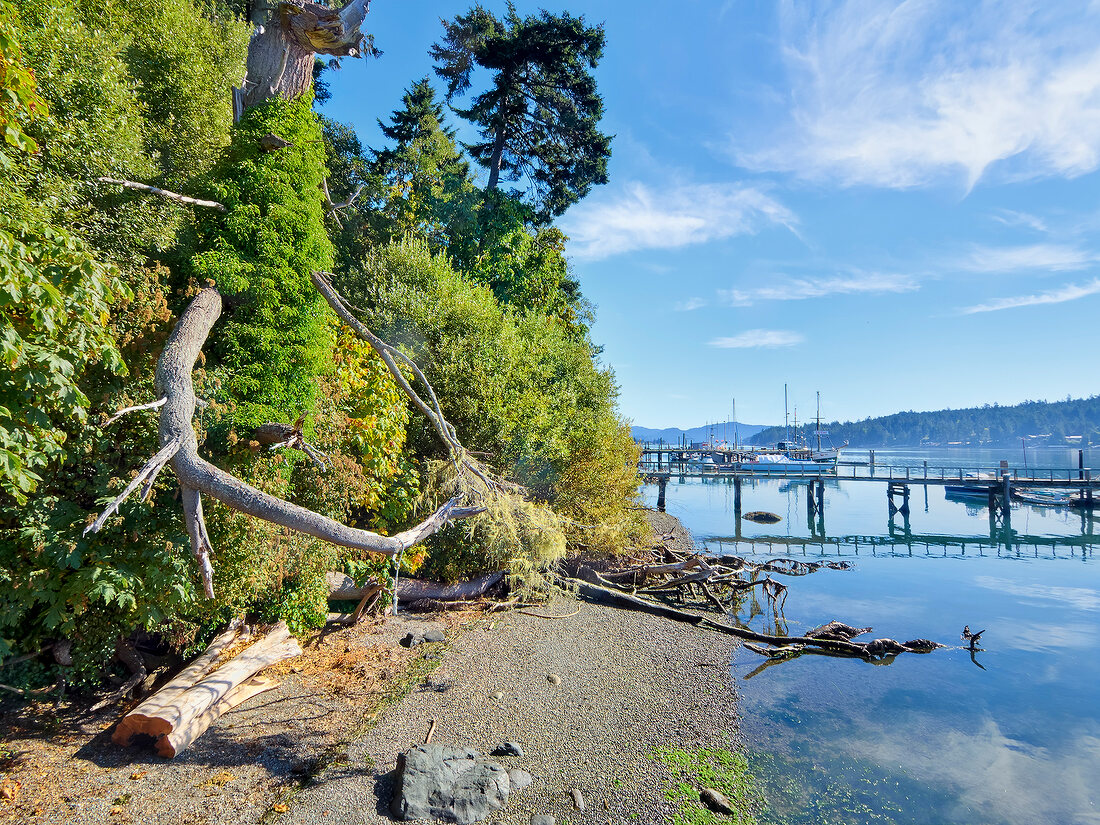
{"x": 819, "y": 421}
{"x": 736, "y": 441}
{"x": 786, "y": 419}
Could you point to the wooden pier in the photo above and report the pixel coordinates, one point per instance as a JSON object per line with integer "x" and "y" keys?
{"x": 993, "y": 484}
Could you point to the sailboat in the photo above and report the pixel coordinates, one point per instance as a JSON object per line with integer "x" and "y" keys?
{"x": 824, "y": 454}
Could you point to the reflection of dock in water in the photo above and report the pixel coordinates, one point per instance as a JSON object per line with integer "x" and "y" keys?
{"x": 997, "y": 498}
{"x": 900, "y": 543}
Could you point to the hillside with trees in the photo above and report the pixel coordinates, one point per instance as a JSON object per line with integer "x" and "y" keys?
{"x": 1073, "y": 422}
{"x": 382, "y": 341}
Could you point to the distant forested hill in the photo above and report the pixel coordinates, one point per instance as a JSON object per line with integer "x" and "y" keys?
{"x": 1070, "y": 422}
{"x": 673, "y": 435}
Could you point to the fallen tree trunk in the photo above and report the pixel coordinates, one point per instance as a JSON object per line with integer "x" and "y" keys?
{"x": 867, "y": 650}
{"x": 179, "y": 447}
{"x": 177, "y": 714}
{"x": 343, "y": 587}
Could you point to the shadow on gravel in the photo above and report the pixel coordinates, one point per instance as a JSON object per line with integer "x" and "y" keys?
{"x": 383, "y": 792}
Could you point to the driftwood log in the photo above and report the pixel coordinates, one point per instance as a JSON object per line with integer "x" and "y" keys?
{"x": 409, "y": 591}
{"x": 343, "y": 587}
{"x": 179, "y": 448}
{"x": 834, "y": 638}
{"x": 184, "y": 708}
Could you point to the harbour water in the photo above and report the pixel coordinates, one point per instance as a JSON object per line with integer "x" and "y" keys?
{"x": 1006, "y": 736}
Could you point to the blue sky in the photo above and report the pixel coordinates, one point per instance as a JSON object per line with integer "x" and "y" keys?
{"x": 892, "y": 203}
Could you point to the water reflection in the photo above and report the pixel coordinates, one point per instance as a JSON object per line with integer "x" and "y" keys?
{"x": 1009, "y": 735}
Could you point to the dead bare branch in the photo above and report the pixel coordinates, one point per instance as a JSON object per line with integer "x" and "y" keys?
{"x": 180, "y": 448}
{"x": 152, "y": 405}
{"x": 164, "y": 193}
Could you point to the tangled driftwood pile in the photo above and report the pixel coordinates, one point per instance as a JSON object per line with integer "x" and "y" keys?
{"x": 722, "y": 581}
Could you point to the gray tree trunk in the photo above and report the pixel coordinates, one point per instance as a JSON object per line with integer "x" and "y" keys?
{"x": 496, "y": 159}
{"x": 286, "y": 38}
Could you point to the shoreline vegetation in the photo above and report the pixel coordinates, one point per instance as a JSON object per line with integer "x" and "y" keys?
{"x": 330, "y": 352}
{"x": 641, "y": 719}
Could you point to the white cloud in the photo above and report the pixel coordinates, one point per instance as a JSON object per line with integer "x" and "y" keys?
{"x": 760, "y": 339}
{"x": 689, "y": 305}
{"x": 801, "y": 288}
{"x": 1010, "y": 217}
{"x": 1053, "y": 257}
{"x": 1082, "y": 598}
{"x": 641, "y": 218}
{"x": 904, "y": 94}
{"x": 1058, "y": 296}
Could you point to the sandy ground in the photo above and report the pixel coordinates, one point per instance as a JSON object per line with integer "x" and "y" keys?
{"x": 629, "y": 684}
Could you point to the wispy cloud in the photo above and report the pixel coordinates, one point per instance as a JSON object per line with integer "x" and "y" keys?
{"x": 1052, "y": 257}
{"x": 760, "y": 339}
{"x": 689, "y": 305}
{"x": 640, "y": 217}
{"x": 904, "y": 94}
{"x": 1058, "y": 296}
{"x": 798, "y": 289}
{"x": 1010, "y": 217}
{"x": 1082, "y": 598}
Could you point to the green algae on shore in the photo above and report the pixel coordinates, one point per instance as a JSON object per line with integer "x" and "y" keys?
{"x": 715, "y": 768}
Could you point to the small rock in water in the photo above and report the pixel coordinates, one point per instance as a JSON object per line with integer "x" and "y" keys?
{"x": 508, "y": 749}
{"x": 716, "y": 801}
{"x": 578, "y": 800}
{"x": 434, "y": 635}
{"x": 553, "y": 679}
{"x": 543, "y": 819}
{"x": 518, "y": 779}
{"x": 760, "y": 517}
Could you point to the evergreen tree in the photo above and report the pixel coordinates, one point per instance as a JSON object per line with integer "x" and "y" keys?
{"x": 427, "y": 185}
{"x": 539, "y": 117}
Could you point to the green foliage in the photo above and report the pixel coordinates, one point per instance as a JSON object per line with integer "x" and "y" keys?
{"x": 274, "y": 343}
{"x": 714, "y": 768}
{"x": 521, "y": 387}
{"x": 428, "y": 189}
{"x": 54, "y": 299}
{"x": 539, "y": 118}
{"x": 182, "y": 80}
{"x": 19, "y": 99}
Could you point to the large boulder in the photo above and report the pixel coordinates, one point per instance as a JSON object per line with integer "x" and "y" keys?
{"x": 452, "y": 784}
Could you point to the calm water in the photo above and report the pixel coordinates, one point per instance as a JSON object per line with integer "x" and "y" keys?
{"x": 1010, "y": 736}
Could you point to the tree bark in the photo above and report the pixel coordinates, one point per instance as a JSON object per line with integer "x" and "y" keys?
{"x": 343, "y": 587}
{"x": 496, "y": 159}
{"x": 280, "y": 54}
{"x": 174, "y": 383}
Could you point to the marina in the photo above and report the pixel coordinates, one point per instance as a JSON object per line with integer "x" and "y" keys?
{"x": 1004, "y": 735}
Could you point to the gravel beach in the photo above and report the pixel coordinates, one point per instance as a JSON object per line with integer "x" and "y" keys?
{"x": 629, "y": 684}
{"x": 589, "y": 694}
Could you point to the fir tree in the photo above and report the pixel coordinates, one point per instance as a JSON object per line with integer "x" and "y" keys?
{"x": 539, "y": 117}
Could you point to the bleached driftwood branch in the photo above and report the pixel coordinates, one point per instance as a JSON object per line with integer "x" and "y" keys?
{"x": 179, "y": 447}
{"x": 433, "y": 412}
{"x": 164, "y": 193}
